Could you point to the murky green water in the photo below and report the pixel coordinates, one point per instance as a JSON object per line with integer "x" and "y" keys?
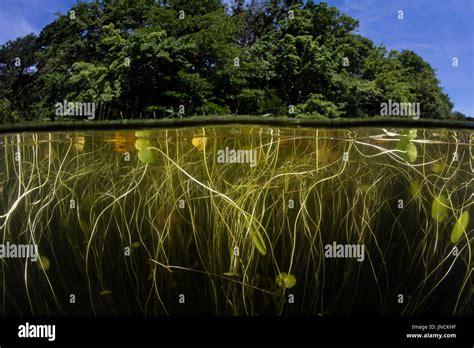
{"x": 237, "y": 220}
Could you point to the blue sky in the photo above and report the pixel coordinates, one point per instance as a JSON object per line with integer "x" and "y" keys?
{"x": 438, "y": 30}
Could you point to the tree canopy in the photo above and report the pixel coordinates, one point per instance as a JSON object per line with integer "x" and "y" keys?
{"x": 149, "y": 58}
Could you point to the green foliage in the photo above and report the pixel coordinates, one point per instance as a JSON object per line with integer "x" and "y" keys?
{"x": 7, "y": 114}
{"x": 153, "y": 57}
{"x": 317, "y": 106}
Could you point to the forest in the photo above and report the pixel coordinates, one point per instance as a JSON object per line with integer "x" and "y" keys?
{"x": 180, "y": 58}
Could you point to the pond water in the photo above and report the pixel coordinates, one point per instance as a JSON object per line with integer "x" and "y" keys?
{"x": 237, "y": 220}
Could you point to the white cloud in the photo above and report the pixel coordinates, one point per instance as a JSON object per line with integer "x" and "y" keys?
{"x": 12, "y": 27}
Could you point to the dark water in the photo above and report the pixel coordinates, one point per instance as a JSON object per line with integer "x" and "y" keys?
{"x": 171, "y": 222}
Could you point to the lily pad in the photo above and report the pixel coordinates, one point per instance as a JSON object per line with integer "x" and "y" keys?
{"x": 285, "y": 280}
{"x": 459, "y": 227}
{"x": 439, "y": 209}
{"x": 145, "y": 134}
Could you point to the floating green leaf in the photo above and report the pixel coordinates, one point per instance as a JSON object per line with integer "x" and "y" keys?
{"x": 145, "y": 134}
{"x": 439, "y": 209}
{"x": 284, "y": 280}
{"x": 459, "y": 227}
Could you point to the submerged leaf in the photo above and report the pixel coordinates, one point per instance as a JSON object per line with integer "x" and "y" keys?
{"x": 409, "y": 149}
{"x": 79, "y": 142}
{"x": 105, "y": 292}
{"x": 143, "y": 144}
{"x": 284, "y": 280}
{"x": 136, "y": 245}
{"x": 415, "y": 190}
{"x": 437, "y": 167}
{"x": 147, "y": 156}
{"x": 44, "y": 263}
{"x": 363, "y": 187}
{"x": 257, "y": 239}
{"x": 231, "y": 274}
{"x": 410, "y": 133}
{"x": 86, "y": 204}
{"x": 123, "y": 142}
{"x": 459, "y": 227}
{"x": 199, "y": 142}
{"x": 439, "y": 209}
{"x": 411, "y": 153}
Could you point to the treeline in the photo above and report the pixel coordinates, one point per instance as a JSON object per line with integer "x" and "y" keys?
{"x": 146, "y": 58}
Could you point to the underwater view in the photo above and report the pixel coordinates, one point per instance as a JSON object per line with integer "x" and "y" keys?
{"x": 237, "y": 220}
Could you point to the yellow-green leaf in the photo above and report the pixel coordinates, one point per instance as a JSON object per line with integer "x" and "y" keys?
{"x": 147, "y": 156}
{"x": 257, "y": 238}
{"x": 44, "y": 263}
{"x": 460, "y": 227}
{"x": 143, "y": 144}
{"x": 437, "y": 167}
{"x": 411, "y": 153}
{"x": 284, "y": 280}
{"x": 199, "y": 142}
{"x": 415, "y": 190}
{"x": 439, "y": 209}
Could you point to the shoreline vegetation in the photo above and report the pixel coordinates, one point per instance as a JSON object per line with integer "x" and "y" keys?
{"x": 234, "y": 119}
{"x": 158, "y": 59}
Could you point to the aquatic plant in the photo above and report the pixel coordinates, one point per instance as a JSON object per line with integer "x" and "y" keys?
{"x": 131, "y": 236}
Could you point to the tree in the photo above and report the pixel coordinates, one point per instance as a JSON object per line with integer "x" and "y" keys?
{"x": 149, "y": 58}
